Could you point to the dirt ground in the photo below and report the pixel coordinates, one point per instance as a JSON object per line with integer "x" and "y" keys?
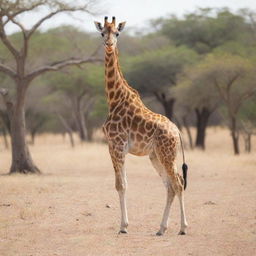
{"x": 72, "y": 209}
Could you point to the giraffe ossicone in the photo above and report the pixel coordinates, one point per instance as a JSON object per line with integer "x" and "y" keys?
{"x": 132, "y": 128}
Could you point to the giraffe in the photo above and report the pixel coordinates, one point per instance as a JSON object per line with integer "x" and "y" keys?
{"x": 132, "y": 128}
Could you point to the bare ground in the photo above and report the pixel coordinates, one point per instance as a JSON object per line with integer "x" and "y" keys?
{"x": 73, "y": 209}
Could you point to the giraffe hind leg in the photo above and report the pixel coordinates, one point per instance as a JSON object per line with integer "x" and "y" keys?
{"x": 176, "y": 183}
{"x": 170, "y": 193}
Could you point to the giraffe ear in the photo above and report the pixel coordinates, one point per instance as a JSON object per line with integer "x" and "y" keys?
{"x": 121, "y": 26}
{"x": 98, "y": 26}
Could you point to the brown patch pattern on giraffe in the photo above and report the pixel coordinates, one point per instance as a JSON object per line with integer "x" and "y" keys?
{"x": 143, "y": 129}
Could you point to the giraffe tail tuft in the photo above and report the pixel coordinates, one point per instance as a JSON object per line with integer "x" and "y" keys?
{"x": 184, "y": 166}
{"x": 185, "y": 169}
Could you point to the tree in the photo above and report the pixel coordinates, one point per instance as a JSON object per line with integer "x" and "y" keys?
{"x": 207, "y": 28}
{"x": 234, "y": 79}
{"x": 79, "y": 89}
{"x": 155, "y": 72}
{"x": 23, "y": 74}
{"x": 195, "y": 93}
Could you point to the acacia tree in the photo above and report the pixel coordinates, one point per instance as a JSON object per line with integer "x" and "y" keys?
{"x": 23, "y": 74}
{"x": 207, "y": 28}
{"x": 79, "y": 89}
{"x": 195, "y": 93}
{"x": 234, "y": 79}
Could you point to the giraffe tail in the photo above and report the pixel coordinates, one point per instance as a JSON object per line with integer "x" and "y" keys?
{"x": 184, "y": 165}
{"x": 184, "y": 170}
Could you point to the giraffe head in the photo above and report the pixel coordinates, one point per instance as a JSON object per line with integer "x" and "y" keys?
{"x": 110, "y": 32}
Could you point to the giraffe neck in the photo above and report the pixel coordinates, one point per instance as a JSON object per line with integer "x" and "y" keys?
{"x": 115, "y": 84}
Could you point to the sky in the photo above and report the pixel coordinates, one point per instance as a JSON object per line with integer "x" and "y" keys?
{"x": 135, "y": 12}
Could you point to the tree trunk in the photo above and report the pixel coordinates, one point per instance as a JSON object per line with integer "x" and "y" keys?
{"x": 71, "y": 139}
{"x": 177, "y": 122}
{"x": 21, "y": 159}
{"x": 201, "y": 125}
{"x": 235, "y": 135}
{"x": 80, "y": 122}
{"x": 6, "y": 143}
{"x": 188, "y": 132}
{"x": 247, "y": 142}
{"x": 168, "y": 107}
{"x": 89, "y": 127}
{"x": 6, "y": 120}
{"x": 68, "y": 129}
{"x": 33, "y": 136}
{"x": 167, "y": 104}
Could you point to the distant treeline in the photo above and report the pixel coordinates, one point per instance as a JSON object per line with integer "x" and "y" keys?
{"x": 194, "y": 69}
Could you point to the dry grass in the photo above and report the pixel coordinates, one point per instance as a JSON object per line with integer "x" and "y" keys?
{"x": 63, "y": 212}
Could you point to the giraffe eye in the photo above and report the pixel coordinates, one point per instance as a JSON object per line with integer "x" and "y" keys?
{"x": 117, "y": 34}
{"x": 102, "y": 34}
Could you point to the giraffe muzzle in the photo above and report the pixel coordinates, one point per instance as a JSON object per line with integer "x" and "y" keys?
{"x": 109, "y": 44}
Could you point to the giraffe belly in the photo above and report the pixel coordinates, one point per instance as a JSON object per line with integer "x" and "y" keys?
{"x": 139, "y": 148}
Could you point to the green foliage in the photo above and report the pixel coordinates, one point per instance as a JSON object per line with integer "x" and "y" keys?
{"x": 52, "y": 46}
{"x": 75, "y": 81}
{"x": 156, "y": 70}
{"x": 231, "y": 77}
{"x": 59, "y": 44}
{"x": 196, "y": 92}
{"x": 235, "y": 48}
{"x": 135, "y": 45}
{"x": 100, "y": 109}
{"x": 207, "y": 29}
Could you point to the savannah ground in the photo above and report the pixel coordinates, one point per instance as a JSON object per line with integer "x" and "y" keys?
{"x": 72, "y": 209}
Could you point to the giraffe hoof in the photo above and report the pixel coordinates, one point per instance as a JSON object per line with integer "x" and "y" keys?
{"x": 123, "y": 232}
{"x": 159, "y": 233}
{"x": 182, "y": 233}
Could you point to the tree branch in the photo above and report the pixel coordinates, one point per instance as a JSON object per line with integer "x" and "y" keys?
{"x": 6, "y": 41}
{"x": 222, "y": 94}
{"x": 18, "y": 24}
{"x": 159, "y": 98}
{"x": 20, "y": 10}
{"x": 53, "y": 13}
{"x": 12, "y": 9}
{"x": 64, "y": 122}
{"x": 64, "y": 63}
{"x": 67, "y": 128}
{"x": 8, "y": 71}
{"x": 231, "y": 82}
{"x": 244, "y": 97}
{"x": 24, "y": 49}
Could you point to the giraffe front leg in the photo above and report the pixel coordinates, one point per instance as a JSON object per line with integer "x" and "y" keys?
{"x": 121, "y": 186}
{"x": 118, "y": 156}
